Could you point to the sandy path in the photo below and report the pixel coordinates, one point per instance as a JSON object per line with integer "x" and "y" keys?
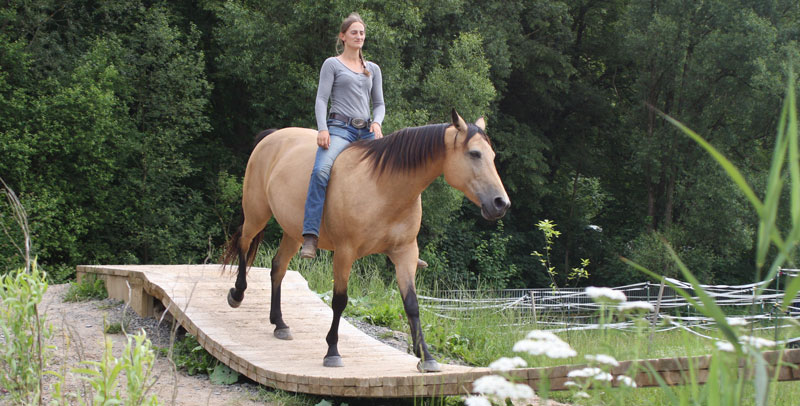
{"x": 84, "y": 323}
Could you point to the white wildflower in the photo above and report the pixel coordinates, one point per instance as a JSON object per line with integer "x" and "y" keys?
{"x": 477, "y": 401}
{"x": 626, "y": 380}
{"x": 529, "y": 346}
{"x": 544, "y": 343}
{"x": 560, "y": 351}
{"x": 581, "y": 394}
{"x": 603, "y": 376}
{"x": 757, "y": 342}
{"x": 495, "y": 385}
{"x": 594, "y": 373}
{"x": 724, "y": 346}
{"x": 584, "y": 373}
{"x": 603, "y": 359}
{"x": 629, "y": 306}
{"x": 736, "y": 321}
{"x": 507, "y": 364}
{"x": 542, "y": 335}
{"x": 570, "y": 383}
{"x": 605, "y": 294}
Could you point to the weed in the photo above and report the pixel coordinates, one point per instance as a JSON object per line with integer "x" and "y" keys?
{"x": 23, "y": 359}
{"x": 279, "y": 397}
{"x": 113, "y": 328}
{"x": 87, "y": 289}
{"x": 190, "y": 356}
{"x": 135, "y": 365}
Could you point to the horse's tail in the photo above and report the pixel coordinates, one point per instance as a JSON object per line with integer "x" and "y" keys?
{"x": 233, "y": 247}
{"x": 263, "y": 134}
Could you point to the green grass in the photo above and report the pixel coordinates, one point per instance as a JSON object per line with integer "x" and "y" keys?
{"x": 113, "y": 328}
{"x": 88, "y": 288}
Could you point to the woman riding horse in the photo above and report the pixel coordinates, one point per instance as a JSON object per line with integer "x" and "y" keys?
{"x": 373, "y": 205}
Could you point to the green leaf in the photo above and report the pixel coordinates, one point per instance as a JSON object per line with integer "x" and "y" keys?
{"x": 791, "y": 292}
{"x": 324, "y": 402}
{"x": 760, "y": 380}
{"x": 713, "y": 384}
{"x": 709, "y": 307}
{"x": 223, "y": 375}
{"x": 729, "y": 168}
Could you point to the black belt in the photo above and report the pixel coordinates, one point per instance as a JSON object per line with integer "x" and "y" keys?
{"x": 354, "y": 122}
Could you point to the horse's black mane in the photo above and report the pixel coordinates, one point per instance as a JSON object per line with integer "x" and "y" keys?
{"x": 408, "y": 149}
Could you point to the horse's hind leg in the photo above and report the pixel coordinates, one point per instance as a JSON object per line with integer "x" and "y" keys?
{"x": 342, "y": 262}
{"x": 247, "y": 244}
{"x": 280, "y": 262}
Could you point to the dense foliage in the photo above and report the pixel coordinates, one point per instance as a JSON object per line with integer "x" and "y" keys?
{"x": 125, "y": 125}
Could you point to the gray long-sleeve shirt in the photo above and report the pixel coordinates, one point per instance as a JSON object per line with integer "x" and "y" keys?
{"x": 349, "y": 92}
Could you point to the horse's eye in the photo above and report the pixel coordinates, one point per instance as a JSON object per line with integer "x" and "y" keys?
{"x": 475, "y": 154}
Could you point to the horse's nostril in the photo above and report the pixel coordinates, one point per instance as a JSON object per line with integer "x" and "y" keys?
{"x": 500, "y": 203}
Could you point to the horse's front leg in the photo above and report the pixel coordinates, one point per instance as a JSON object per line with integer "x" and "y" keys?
{"x": 280, "y": 262}
{"x": 342, "y": 262}
{"x": 405, "y": 264}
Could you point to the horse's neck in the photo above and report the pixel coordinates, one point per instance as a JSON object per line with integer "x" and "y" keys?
{"x": 419, "y": 179}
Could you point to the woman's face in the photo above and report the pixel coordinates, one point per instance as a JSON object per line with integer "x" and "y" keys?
{"x": 354, "y": 35}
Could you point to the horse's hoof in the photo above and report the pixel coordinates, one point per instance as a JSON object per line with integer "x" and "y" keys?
{"x": 334, "y": 361}
{"x": 283, "y": 334}
{"x": 233, "y": 302}
{"x": 429, "y": 366}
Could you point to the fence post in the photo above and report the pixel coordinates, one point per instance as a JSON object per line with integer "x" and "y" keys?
{"x": 533, "y": 307}
{"x": 655, "y": 314}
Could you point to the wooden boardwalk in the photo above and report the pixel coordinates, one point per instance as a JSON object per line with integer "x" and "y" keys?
{"x": 242, "y": 338}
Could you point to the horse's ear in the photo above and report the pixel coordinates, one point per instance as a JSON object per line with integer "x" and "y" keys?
{"x": 481, "y": 123}
{"x": 458, "y": 122}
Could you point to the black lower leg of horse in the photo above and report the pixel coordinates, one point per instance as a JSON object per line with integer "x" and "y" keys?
{"x": 338, "y": 304}
{"x": 237, "y": 292}
{"x": 412, "y": 311}
{"x": 275, "y": 315}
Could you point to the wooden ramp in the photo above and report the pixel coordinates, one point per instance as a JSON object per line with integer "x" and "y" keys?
{"x": 242, "y": 338}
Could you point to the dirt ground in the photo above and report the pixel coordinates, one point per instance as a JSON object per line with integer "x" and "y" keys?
{"x": 80, "y": 325}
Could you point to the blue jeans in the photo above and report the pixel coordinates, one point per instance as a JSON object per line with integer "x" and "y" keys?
{"x": 341, "y": 136}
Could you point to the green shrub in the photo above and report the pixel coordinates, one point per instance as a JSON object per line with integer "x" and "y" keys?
{"x": 135, "y": 364}
{"x": 87, "y": 289}
{"x": 113, "y": 328}
{"x": 23, "y": 358}
{"x": 190, "y": 356}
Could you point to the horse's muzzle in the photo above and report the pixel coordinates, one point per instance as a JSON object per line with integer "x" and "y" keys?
{"x": 495, "y": 209}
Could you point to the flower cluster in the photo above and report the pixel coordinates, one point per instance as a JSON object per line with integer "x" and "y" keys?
{"x": 605, "y": 295}
{"x": 507, "y": 364}
{"x": 757, "y": 342}
{"x": 497, "y": 388}
{"x": 545, "y": 343}
{"x": 591, "y": 373}
{"x": 603, "y": 359}
{"x": 736, "y": 321}
{"x": 636, "y": 306}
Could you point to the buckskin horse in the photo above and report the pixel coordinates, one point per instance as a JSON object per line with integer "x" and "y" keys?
{"x": 373, "y": 205}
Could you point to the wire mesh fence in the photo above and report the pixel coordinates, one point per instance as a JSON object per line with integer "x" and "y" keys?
{"x": 572, "y": 309}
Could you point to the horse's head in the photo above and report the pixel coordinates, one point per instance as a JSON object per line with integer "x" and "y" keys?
{"x": 469, "y": 167}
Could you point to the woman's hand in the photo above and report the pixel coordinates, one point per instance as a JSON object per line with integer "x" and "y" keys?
{"x": 375, "y": 128}
{"x": 324, "y": 139}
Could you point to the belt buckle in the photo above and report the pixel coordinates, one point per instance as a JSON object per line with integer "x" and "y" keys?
{"x": 358, "y": 123}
